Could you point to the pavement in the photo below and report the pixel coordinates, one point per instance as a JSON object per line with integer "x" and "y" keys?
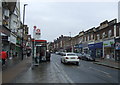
{"x": 14, "y": 67}
{"x": 11, "y": 63}
{"x": 108, "y": 63}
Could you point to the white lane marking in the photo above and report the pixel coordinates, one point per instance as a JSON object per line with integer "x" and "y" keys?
{"x": 106, "y": 74}
{"x": 109, "y": 76}
{"x": 56, "y": 68}
{"x": 64, "y": 74}
{"x": 99, "y": 70}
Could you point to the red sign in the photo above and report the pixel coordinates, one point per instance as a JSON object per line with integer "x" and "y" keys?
{"x": 35, "y": 27}
{"x": 38, "y": 31}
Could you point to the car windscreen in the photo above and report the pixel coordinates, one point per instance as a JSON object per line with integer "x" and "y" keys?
{"x": 71, "y": 55}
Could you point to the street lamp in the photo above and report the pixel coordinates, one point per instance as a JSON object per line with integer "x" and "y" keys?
{"x": 23, "y": 30}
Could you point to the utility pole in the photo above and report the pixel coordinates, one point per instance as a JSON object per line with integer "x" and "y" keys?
{"x": 23, "y": 31}
{"x": 71, "y": 42}
{"x": 70, "y": 34}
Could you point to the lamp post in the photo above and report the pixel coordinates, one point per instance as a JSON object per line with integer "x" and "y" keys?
{"x": 23, "y": 30}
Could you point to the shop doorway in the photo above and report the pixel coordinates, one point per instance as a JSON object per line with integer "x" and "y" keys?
{"x": 109, "y": 53}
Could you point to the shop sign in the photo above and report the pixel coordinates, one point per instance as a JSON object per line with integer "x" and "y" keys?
{"x": 12, "y": 39}
{"x": 117, "y": 46}
{"x": 80, "y": 45}
{"x": 5, "y": 38}
{"x": 36, "y": 34}
{"x": 85, "y": 45}
{"x": 99, "y": 45}
{"x": 91, "y": 46}
{"x": 108, "y": 43}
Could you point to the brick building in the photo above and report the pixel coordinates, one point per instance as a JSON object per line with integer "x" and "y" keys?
{"x": 99, "y": 41}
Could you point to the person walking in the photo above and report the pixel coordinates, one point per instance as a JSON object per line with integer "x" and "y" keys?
{"x": 48, "y": 55}
{"x": 28, "y": 53}
{"x": 3, "y": 56}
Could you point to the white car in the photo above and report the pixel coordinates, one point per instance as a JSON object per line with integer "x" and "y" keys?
{"x": 70, "y": 58}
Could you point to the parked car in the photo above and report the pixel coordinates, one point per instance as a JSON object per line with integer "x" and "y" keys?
{"x": 70, "y": 58}
{"x": 87, "y": 57}
{"x": 79, "y": 55}
{"x": 57, "y": 53}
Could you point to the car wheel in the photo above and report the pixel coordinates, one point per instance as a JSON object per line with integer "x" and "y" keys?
{"x": 64, "y": 62}
{"x": 77, "y": 63}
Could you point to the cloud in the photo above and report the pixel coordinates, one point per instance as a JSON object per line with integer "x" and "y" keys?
{"x": 57, "y": 18}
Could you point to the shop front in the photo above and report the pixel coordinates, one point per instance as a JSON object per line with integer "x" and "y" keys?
{"x": 5, "y": 42}
{"x": 99, "y": 49}
{"x": 109, "y": 49}
{"x": 96, "y": 50}
{"x": 78, "y": 48}
{"x": 117, "y": 49}
{"x": 68, "y": 49}
{"x": 85, "y": 48}
{"x": 92, "y": 50}
{"x": 5, "y": 34}
{"x": 12, "y": 40}
{"x": 18, "y": 47}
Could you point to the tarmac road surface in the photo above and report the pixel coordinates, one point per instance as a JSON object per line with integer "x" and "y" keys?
{"x": 57, "y": 72}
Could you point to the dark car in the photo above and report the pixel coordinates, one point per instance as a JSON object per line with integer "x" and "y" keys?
{"x": 87, "y": 57}
{"x": 79, "y": 55}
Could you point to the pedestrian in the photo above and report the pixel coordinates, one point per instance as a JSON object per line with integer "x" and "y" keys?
{"x": 3, "y": 56}
{"x": 37, "y": 57}
{"x": 48, "y": 55}
{"x": 16, "y": 54}
{"x": 28, "y": 53}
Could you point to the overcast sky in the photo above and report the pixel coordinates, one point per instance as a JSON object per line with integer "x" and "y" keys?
{"x": 60, "y": 18}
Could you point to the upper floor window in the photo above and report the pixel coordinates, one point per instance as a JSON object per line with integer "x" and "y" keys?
{"x": 85, "y": 38}
{"x": 98, "y": 36}
{"x": 103, "y": 35}
{"x": 80, "y": 40}
{"x": 109, "y": 33}
{"x": 91, "y": 36}
{"x": 88, "y": 38}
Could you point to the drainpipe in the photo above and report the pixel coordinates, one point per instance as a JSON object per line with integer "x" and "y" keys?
{"x": 114, "y": 40}
{"x": 103, "y": 51}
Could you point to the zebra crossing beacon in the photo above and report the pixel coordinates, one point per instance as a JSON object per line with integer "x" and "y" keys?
{"x": 39, "y": 50}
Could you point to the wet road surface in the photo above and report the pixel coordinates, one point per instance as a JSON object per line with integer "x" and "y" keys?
{"x": 56, "y": 72}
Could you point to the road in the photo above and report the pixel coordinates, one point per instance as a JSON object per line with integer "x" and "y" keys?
{"x": 56, "y": 72}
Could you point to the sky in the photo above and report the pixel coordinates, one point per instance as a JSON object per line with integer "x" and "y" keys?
{"x": 56, "y": 18}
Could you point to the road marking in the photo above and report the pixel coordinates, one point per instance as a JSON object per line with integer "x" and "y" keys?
{"x": 56, "y": 68}
{"x": 64, "y": 74}
{"x": 109, "y": 76}
{"x": 99, "y": 70}
{"x": 106, "y": 74}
